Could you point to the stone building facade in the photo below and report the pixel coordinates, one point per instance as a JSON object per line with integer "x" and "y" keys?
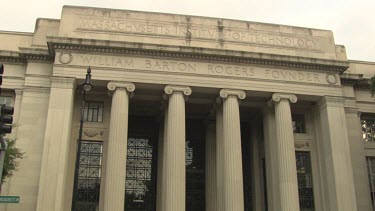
{"x": 187, "y": 113}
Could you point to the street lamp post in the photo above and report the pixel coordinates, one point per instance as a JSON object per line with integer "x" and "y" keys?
{"x": 86, "y": 87}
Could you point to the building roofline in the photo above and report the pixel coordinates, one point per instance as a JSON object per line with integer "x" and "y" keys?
{"x": 17, "y": 32}
{"x": 361, "y": 62}
{"x": 197, "y": 16}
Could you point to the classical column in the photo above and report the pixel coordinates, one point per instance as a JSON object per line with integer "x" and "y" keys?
{"x": 162, "y": 137}
{"x": 271, "y": 157}
{"x": 211, "y": 203}
{"x": 57, "y": 138}
{"x": 232, "y": 156}
{"x": 174, "y": 172}
{"x": 286, "y": 161}
{"x": 114, "y": 198}
{"x": 219, "y": 158}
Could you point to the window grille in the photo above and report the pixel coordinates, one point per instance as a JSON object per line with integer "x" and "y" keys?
{"x": 305, "y": 182}
{"x": 298, "y": 121}
{"x": 89, "y": 175}
{"x": 93, "y": 111}
{"x": 368, "y": 129}
{"x": 195, "y": 176}
{"x": 140, "y": 185}
{"x": 371, "y": 175}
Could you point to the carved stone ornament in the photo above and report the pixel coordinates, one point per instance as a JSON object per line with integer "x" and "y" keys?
{"x": 331, "y": 78}
{"x": 300, "y": 145}
{"x": 113, "y": 85}
{"x": 65, "y": 57}
{"x": 93, "y": 133}
{"x": 224, "y": 93}
{"x": 279, "y": 96}
{"x": 174, "y": 88}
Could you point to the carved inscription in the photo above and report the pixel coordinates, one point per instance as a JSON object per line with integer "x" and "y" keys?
{"x": 201, "y": 68}
{"x": 170, "y": 66}
{"x": 293, "y": 75}
{"x": 230, "y": 70}
{"x": 113, "y": 61}
{"x": 203, "y": 32}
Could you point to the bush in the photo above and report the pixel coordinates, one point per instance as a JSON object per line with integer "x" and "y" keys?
{"x": 12, "y": 159}
{"x": 372, "y": 86}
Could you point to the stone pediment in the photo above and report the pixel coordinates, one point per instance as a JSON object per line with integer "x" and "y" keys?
{"x": 193, "y": 31}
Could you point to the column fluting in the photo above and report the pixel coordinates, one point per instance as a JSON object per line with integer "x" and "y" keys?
{"x": 174, "y": 170}
{"x": 232, "y": 155}
{"x": 210, "y": 166}
{"x": 117, "y": 147}
{"x": 286, "y": 152}
{"x": 219, "y": 158}
{"x": 162, "y": 137}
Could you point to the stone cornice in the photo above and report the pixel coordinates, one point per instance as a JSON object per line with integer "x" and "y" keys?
{"x": 277, "y": 97}
{"x": 26, "y": 54}
{"x": 36, "y": 54}
{"x": 224, "y": 93}
{"x": 355, "y": 80}
{"x": 11, "y": 57}
{"x": 221, "y": 55}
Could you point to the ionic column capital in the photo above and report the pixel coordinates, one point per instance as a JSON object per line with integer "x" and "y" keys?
{"x": 277, "y": 97}
{"x": 113, "y": 85}
{"x": 224, "y": 93}
{"x": 170, "y": 89}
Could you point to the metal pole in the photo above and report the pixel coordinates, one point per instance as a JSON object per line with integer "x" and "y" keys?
{"x": 78, "y": 155}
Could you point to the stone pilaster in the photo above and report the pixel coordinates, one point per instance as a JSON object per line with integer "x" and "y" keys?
{"x": 219, "y": 158}
{"x": 211, "y": 202}
{"x": 232, "y": 156}
{"x": 57, "y": 139}
{"x": 333, "y": 146}
{"x": 174, "y": 172}
{"x": 117, "y": 147}
{"x": 286, "y": 153}
{"x": 358, "y": 156}
{"x": 17, "y": 109}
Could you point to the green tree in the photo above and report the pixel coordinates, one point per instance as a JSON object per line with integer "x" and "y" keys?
{"x": 372, "y": 86}
{"x": 13, "y": 155}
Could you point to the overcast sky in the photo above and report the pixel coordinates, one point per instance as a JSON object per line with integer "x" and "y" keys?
{"x": 352, "y": 21}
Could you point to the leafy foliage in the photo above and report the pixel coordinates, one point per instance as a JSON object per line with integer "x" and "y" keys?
{"x": 12, "y": 159}
{"x": 372, "y": 86}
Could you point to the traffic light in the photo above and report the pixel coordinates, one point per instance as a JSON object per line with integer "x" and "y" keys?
{"x": 6, "y": 119}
